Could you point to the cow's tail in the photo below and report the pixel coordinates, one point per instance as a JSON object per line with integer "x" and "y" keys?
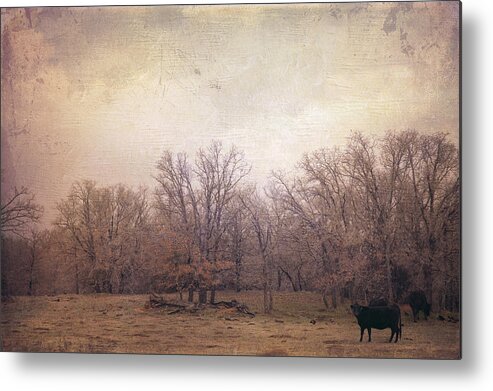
{"x": 400, "y": 325}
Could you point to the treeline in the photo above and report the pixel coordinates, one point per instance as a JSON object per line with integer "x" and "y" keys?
{"x": 379, "y": 217}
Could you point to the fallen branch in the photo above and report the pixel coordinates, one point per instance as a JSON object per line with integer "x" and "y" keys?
{"x": 175, "y": 311}
{"x": 234, "y": 304}
{"x": 156, "y": 301}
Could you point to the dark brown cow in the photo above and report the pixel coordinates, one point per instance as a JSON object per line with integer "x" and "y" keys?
{"x": 417, "y": 301}
{"x": 378, "y": 318}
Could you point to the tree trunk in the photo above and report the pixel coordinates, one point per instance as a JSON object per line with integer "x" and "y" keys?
{"x": 390, "y": 290}
{"x": 238, "y": 275}
{"x": 212, "y": 299}
{"x": 300, "y": 285}
{"x": 107, "y": 285}
{"x": 5, "y": 291}
{"x": 190, "y": 295}
{"x": 31, "y": 274}
{"x": 30, "y": 285}
{"x": 324, "y": 298}
{"x": 388, "y": 268}
{"x": 30, "y": 288}
{"x": 428, "y": 282}
{"x": 267, "y": 286}
{"x": 334, "y": 297}
{"x": 267, "y": 300}
{"x": 77, "y": 290}
{"x": 428, "y": 271}
{"x": 202, "y": 296}
{"x": 292, "y": 282}
{"x": 121, "y": 285}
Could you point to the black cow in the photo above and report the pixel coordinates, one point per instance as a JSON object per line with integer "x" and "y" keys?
{"x": 417, "y": 301}
{"x": 378, "y": 318}
{"x": 378, "y": 302}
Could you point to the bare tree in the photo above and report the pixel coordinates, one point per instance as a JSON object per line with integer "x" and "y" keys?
{"x": 237, "y": 236}
{"x": 107, "y": 225}
{"x": 301, "y": 198}
{"x": 261, "y": 221}
{"x": 376, "y": 175}
{"x": 197, "y": 196}
{"x": 18, "y": 211}
{"x": 380, "y": 216}
{"x": 35, "y": 240}
{"x": 434, "y": 165}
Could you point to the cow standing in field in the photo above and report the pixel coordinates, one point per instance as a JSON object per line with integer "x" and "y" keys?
{"x": 380, "y": 318}
{"x": 417, "y": 301}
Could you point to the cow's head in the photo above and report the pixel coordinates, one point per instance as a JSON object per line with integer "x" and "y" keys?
{"x": 356, "y": 309}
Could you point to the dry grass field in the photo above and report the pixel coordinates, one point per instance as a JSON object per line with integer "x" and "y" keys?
{"x": 123, "y": 324}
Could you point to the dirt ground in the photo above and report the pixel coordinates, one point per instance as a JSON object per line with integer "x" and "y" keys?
{"x": 299, "y": 326}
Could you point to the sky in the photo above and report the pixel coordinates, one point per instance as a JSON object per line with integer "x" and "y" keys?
{"x": 100, "y": 92}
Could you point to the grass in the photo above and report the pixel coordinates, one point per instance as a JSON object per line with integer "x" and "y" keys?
{"x": 122, "y": 324}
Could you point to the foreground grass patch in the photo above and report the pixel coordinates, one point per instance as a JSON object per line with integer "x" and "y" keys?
{"x": 299, "y": 326}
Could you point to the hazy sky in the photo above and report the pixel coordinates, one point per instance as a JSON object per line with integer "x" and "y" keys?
{"x": 100, "y": 92}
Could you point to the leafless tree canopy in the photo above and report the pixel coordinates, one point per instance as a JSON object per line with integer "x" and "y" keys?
{"x": 18, "y": 211}
{"x": 378, "y": 217}
{"x": 197, "y": 196}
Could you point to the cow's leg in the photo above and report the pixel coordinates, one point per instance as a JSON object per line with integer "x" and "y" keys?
{"x": 369, "y": 334}
{"x": 362, "y": 332}
{"x": 415, "y": 314}
{"x": 391, "y": 335}
{"x": 424, "y": 313}
{"x": 396, "y": 334}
